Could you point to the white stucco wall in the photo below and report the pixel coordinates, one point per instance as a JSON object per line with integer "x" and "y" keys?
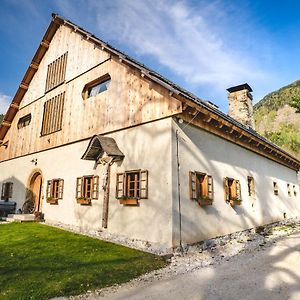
{"x": 204, "y": 152}
{"x": 146, "y": 147}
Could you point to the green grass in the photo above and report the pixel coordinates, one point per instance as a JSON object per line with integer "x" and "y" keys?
{"x": 40, "y": 262}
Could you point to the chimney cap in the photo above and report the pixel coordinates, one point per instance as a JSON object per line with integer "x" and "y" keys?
{"x": 244, "y": 86}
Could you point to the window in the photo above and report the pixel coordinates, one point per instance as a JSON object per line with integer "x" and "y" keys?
{"x": 295, "y": 190}
{"x": 232, "y": 190}
{"x": 201, "y": 187}
{"x": 53, "y": 114}
{"x": 96, "y": 86}
{"x": 87, "y": 188}
{"x": 288, "y": 186}
{"x": 132, "y": 186}
{"x": 24, "y": 121}
{"x": 56, "y": 72}
{"x": 251, "y": 186}
{"x": 7, "y": 189}
{"x": 275, "y": 188}
{"x": 55, "y": 189}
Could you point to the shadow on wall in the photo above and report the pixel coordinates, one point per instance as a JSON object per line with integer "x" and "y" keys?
{"x": 198, "y": 223}
{"x": 20, "y": 193}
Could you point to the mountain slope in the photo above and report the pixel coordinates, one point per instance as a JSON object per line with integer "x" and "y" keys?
{"x": 277, "y": 120}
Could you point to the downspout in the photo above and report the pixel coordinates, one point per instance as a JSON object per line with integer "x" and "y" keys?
{"x": 178, "y": 189}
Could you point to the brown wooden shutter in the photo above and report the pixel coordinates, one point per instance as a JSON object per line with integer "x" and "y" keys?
{"x": 10, "y": 189}
{"x": 49, "y": 189}
{"x": 60, "y": 188}
{"x": 192, "y": 185}
{"x": 226, "y": 188}
{"x": 3, "y": 191}
{"x": 204, "y": 186}
{"x": 144, "y": 184}
{"x": 120, "y": 185}
{"x": 95, "y": 191}
{"x": 210, "y": 192}
{"x": 238, "y": 189}
{"x": 79, "y": 187}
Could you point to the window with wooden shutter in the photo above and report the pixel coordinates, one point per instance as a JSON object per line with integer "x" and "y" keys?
{"x": 120, "y": 186}
{"x": 210, "y": 192}
{"x": 132, "y": 186}
{"x": 295, "y": 190}
{"x": 7, "y": 191}
{"x": 56, "y": 72}
{"x": 251, "y": 186}
{"x": 95, "y": 191}
{"x": 53, "y": 114}
{"x": 201, "y": 187}
{"x": 232, "y": 191}
{"x": 275, "y": 188}
{"x": 79, "y": 187}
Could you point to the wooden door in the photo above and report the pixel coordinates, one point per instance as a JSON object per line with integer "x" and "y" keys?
{"x": 36, "y": 191}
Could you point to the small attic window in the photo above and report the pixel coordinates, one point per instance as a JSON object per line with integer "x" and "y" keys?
{"x": 96, "y": 86}
{"x": 24, "y": 121}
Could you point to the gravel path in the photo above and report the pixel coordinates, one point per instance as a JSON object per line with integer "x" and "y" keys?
{"x": 261, "y": 263}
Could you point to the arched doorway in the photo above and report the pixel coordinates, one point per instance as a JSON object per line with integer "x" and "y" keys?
{"x": 33, "y": 201}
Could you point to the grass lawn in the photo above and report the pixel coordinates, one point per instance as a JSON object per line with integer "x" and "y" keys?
{"x": 40, "y": 262}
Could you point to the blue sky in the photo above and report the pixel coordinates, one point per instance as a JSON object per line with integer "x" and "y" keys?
{"x": 204, "y": 46}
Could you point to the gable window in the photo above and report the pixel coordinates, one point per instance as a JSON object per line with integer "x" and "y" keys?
{"x": 56, "y": 72}
{"x": 53, "y": 114}
{"x": 275, "y": 188}
{"x": 201, "y": 187}
{"x": 251, "y": 186}
{"x": 96, "y": 87}
{"x": 7, "y": 190}
{"x": 132, "y": 186}
{"x": 87, "y": 188}
{"x": 232, "y": 191}
{"x": 55, "y": 189}
{"x": 24, "y": 121}
{"x": 288, "y": 186}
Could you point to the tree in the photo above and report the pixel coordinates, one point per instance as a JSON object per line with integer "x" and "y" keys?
{"x": 1, "y": 118}
{"x": 296, "y": 103}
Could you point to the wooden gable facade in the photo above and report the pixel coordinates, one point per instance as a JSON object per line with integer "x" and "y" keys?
{"x": 131, "y": 99}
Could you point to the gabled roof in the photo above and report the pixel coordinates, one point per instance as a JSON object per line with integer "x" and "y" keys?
{"x": 100, "y": 145}
{"x": 185, "y": 96}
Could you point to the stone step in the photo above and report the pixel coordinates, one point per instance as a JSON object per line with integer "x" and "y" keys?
{"x": 20, "y": 217}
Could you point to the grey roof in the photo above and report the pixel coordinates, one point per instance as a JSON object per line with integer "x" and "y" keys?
{"x": 99, "y": 145}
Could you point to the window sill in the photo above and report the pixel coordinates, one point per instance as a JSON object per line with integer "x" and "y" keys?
{"x": 204, "y": 202}
{"x": 235, "y": 202}
{"x": 52, "y": 200}
{"x": 129, "y": 201}
{"x": 84, "y": 201}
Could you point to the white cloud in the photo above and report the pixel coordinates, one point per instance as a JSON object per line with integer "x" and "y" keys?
{"x": 4, "y": 103}
{"x": 179, "y": 37}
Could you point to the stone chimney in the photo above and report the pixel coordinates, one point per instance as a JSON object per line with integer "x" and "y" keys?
{"x": 240, "y": 104}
